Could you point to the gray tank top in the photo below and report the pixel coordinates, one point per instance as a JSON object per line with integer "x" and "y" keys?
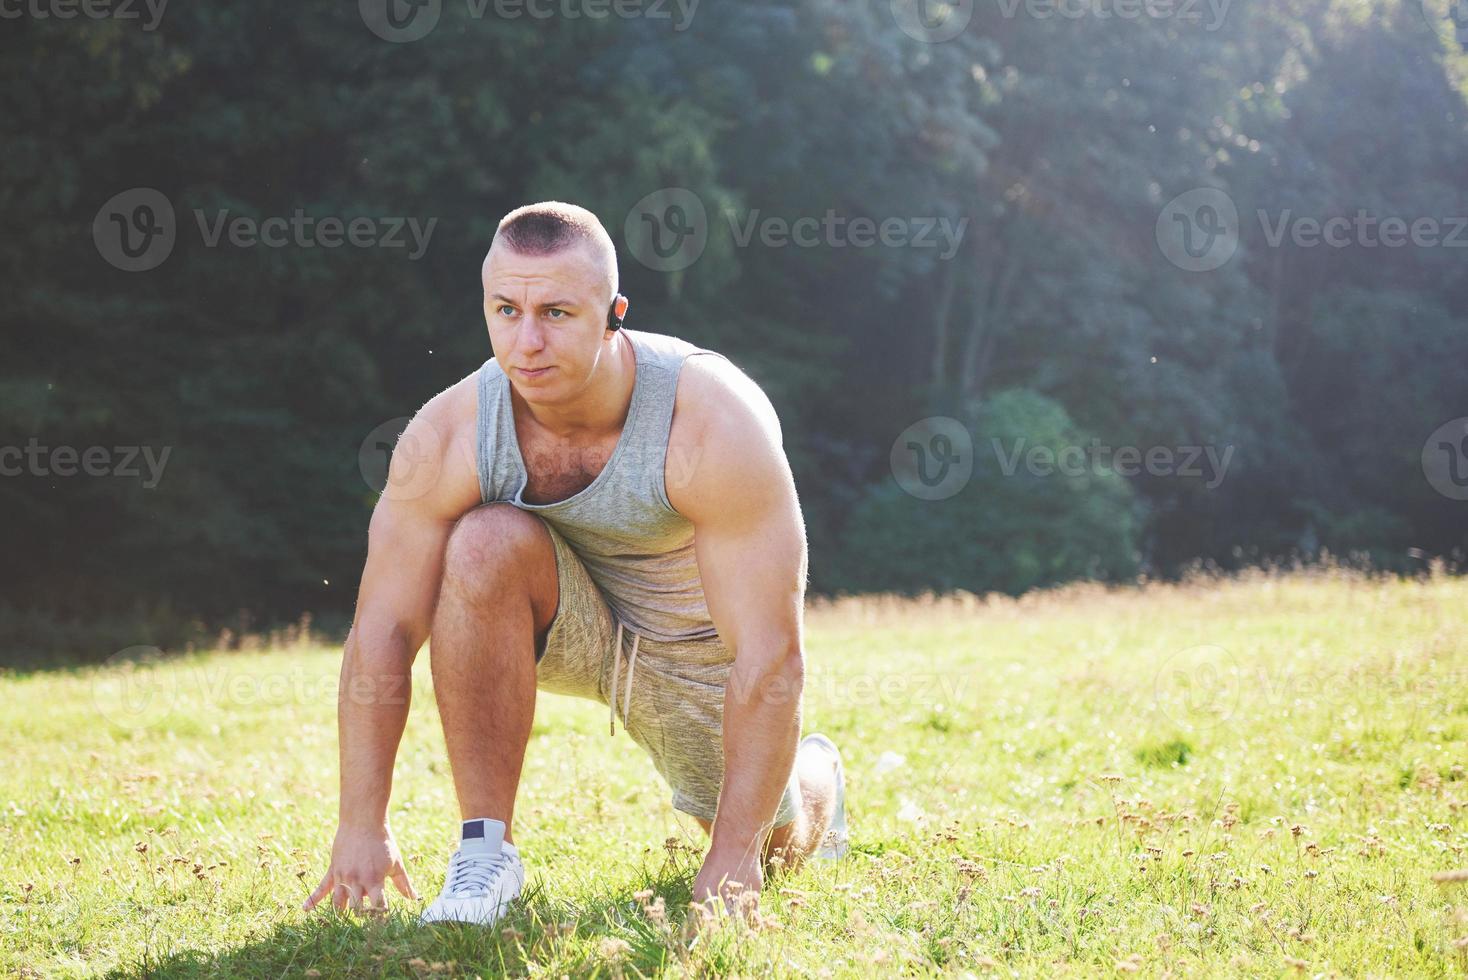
{"x": 636, "y": 547}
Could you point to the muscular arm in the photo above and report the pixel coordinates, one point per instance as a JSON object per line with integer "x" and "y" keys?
{"x": 750, "y": 540}
{"x": 431, "y": 483}
{"x": 394, "y": 608}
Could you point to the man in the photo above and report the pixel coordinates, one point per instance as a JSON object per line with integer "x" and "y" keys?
{"x": 600, "y": 512}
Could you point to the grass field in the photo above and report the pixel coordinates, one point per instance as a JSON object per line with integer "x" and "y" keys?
{"x": 1254, "y": 777}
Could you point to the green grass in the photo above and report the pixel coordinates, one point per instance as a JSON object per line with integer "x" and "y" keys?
{"x": 1247, "y": 777}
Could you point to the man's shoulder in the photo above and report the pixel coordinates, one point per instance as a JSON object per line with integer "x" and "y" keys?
{"x": 434, "y": 461}
{"x": 731, "y": 433}
{"x": 717, "y": 397}
{"x": 724, "y": 422}
{"x": 455, "y": 409}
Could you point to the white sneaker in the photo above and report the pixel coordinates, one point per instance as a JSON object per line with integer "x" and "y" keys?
{"x": 836, "y": 842}
{"x": 485, "y": 875}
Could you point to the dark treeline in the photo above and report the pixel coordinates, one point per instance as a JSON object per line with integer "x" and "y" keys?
{"x": 1077, "y": 308}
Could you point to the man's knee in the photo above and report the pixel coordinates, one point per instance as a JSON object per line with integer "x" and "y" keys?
{"x": 496, "y": 549}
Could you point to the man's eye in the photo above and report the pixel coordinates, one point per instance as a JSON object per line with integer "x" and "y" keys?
{"x": 558, "y": 314}
{"x": 501, "y": 310}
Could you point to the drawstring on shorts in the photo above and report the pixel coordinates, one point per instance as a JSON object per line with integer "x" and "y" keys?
{"x": 616, "y": 669}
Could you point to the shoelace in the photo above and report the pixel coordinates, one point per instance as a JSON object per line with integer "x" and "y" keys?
{"x": 472, "y": 875}
{"x": 616, "y": 669}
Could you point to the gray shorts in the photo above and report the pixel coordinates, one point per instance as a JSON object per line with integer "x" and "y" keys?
{"x": 676, "y": 711}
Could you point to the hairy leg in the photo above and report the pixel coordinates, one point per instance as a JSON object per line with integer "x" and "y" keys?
{"x": 497, "y": 600}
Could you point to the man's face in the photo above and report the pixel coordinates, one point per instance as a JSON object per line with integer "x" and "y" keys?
{"x": 546, "y": 312}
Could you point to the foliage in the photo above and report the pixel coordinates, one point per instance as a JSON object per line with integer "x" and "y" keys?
{"x": 1025, "y": 520}
{"x": 1058, "y": 139}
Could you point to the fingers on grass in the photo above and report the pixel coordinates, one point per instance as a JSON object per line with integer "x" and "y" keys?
{"x": 404, "y": 885}
{"x": 321, "y": 892}
{"x": 344, "y": 896}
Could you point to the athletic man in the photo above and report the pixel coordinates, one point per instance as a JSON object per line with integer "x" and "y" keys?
{"x": 600, "y": 512}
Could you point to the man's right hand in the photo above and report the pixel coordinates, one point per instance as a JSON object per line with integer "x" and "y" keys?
{"x": 361, "y": 862}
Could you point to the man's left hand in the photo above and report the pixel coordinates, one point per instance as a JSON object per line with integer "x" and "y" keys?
{"x": 718, "y": 873}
